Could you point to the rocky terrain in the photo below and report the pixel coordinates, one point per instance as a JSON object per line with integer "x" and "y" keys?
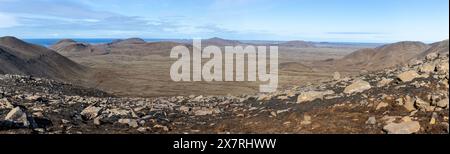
{"x": 400, "y": 100}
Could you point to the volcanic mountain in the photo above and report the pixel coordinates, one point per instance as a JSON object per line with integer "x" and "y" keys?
{"x": 19, "y": 57}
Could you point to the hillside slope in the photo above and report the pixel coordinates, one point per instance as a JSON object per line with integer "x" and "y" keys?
{"x": 19, "y": 57}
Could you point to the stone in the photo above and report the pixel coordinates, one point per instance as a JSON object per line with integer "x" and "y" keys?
{"x": 264, "y": 97}
{"x": 283, "y": 97}
{"x": 164, "y": 128}
{"x": 446, "y": 126}
{"x": 336, "y": 76}
{"x": 130, "y": 122}
{"x": 381, "y": 105}
{"x": 371, "y": 121}
{"x": 38, "y": 114}
{"x": 143, "y": 129}
{"x": 408, "y": 76}
{"x": 185, "y": 109}
{"x": 442, "y": 103}
{"x": 203, "y": 112}
{"x": 442, "y": 68}
{"x": 384, "y": 82}
{"x": 312, "y": 95}
{"x": 64, "y": 121}
{"x": 409, "y": 104}
{"x": 274, "y": 114}
{"x": 423, "y": 105}
{"x": 406, "y": 119}
{"x": 90, "y": 112}
{"x": 427, "y": 68}
{"x": 432, "y": 121}
{"x": 409, "y": 127}
{"x": 97, "y": 121}
{"x": 117, "y": 112}
{"x": 17, "y": 115}
{"x": 399, "y": 101}
{"x": 306, "y": 120}
{"x": 32, "y": 97}
{"x": 431, "y": 56}
{"x": 357, "y": 86}
{"x": 5, "y": 104}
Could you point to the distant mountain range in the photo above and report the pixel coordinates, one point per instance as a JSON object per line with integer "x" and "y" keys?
{"x": 19, "y": 57}
{"x": 213, "y": 41}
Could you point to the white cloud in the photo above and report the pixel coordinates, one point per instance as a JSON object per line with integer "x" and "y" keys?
{"x": 7, "y": 21}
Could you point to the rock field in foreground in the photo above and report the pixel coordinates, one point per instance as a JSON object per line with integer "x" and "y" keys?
{"x": 402, "y": 100}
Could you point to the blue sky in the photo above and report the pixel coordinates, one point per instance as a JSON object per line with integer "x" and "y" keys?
{"x": 312, "y": 20}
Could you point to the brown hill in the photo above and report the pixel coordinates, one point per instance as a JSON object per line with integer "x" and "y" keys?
{"x": 438, "y": 47}
{"x": 19, "y": 57}
{"x": 382, "y": 57}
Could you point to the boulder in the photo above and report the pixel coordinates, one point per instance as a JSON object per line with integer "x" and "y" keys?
{"x": 312, "y": 95}
{"x": 381, "y": 105}
{"x": 442, "y": 67}
{"x": 427, "y": 68}
{"x": 371, "y": 121}
{"x": 18, "y": 116}
{"x": 431, "y": 56}
{"x": 90, "y": 112}
{"x": 384, "y": 82}
{"x": 130, "y": 122}
{"x": 5, "y": 104}
{"x": 408, "y": 127}
{"x": 423, "y": 105}
{"x": 357, "y": 86}
{"x": 442, "y": 103}
{"x": 306, "y": 120}
{"x": 203, "y": 111}
{"x": 409, "y": 104}
{"x": 408, "y": 76}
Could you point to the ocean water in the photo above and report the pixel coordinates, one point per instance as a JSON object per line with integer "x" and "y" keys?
{"x": 49, "y": 42}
